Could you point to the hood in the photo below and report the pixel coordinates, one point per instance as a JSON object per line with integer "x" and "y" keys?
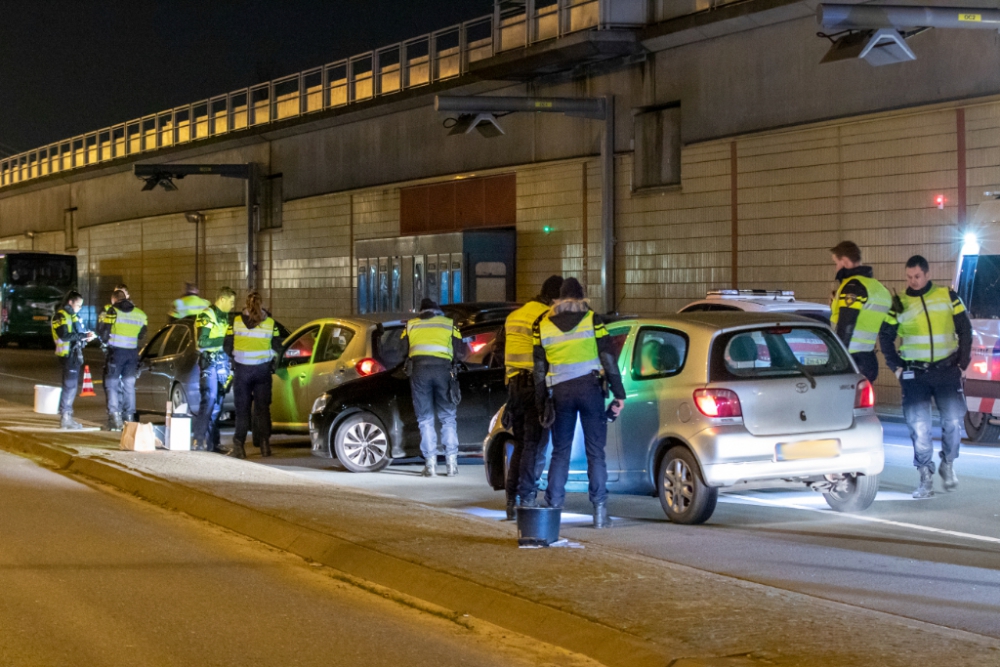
{"x": 566, "y": 314}
{"x": 431, "y": 312}
{"x": 862, "y": 271}
{"x": 125, "y": 306}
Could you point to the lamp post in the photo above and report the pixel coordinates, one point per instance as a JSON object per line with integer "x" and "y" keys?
{"x": 197, "y": 217}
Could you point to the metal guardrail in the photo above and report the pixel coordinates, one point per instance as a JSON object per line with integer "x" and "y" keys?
{"x": 440, "y": 55}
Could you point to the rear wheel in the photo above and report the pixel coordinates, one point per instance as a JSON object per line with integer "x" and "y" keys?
{"x": 857, "y": 496}
{"x": 178, "y": 396}
{"x": 979, "y": 428}
{"x": 683, "y": 494}
{"x": 362, "y": 444}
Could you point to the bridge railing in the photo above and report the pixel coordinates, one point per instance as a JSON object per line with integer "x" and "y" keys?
{"x": 437, "y": 56}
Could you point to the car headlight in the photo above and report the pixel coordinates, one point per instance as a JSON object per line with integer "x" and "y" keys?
{"x": 320, "y": 403}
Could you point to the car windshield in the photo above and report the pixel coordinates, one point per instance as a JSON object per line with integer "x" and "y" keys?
{"x": 778, "y": 351}
{"x": 34, "y": 270}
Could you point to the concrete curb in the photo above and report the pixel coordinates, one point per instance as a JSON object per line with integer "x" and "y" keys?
{"x": 538, "y": 621}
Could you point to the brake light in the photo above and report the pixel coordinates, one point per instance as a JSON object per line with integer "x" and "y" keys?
{"x": 865, "y": 397}
{"x": 368, "y": 366}
{"x": 476, "y": 347}
{"x": 718, "y": 403}
{"x": 981, "y": 367}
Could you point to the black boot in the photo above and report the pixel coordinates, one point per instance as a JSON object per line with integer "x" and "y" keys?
{"x": 947, "y": 471}
{"x": 529, "y": 501}
{"x": 511, "y": 508}
{"x": 265, "y": 449}
{"x": 926, "y": 488}
{"x": 198, "y": 446}
{"x": 601, "y": 519}
{"x": 67, "y": 423}
{"x": 236, "y": 451}
{"x": 114, "y": 423}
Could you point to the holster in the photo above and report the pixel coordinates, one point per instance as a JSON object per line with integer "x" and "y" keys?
{"x": 454, "y": 389}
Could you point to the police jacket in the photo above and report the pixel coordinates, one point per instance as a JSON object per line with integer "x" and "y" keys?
{"x": 453, "y": 349}
{"x": 565, "y": 316}
{"x": 514, "y": 340}
{"x": 274, "y": 346}
{"x": 933, "y": 324}
{"x": 859, "y": 308}
{"x": 68, "y": 333}
{"x": 210, "y": 328}
{"x": 109, "y": 318}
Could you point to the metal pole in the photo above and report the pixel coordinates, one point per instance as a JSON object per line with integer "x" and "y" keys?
{"x": 197, "y": 242}
{"x": 588, "y": 107}
{"x": 608, "y": 206}
{"x": 251, "y": 197}
{"x": 866, "y": 17}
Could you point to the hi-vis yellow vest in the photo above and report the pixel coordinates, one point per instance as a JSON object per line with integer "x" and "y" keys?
{"x": 72, "y": 322}
{"x": 927, "y": 325}
{"x": 209, "y": 319}
{"x": 125, "y": 328}
{"x": 872, "y": 312}
{"x": 571, "y": 354}
{"x": 252, "y": 347}
{"x": 432, "y": 337}
{"x": 518, "y": 350}
{"x": 192, "y": 304}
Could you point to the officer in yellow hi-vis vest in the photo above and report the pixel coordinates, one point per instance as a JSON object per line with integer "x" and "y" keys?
{"x": 252, "y": 341}
{"x": 573, "y": 358}
{"x": 515, "y": 344}
{"x": 860, "y": 305}
{"x": 105, "y": 313}
{"x": 70, "y": 336}
{"x": 210, "y": 330}
{"x": 188, "y": 305}
{"x": 936, "y": 348}
{"x": 121, "y": 329}
{"x": 433, "y": 344}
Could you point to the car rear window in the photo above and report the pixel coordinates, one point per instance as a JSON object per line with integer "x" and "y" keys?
{"x": 778, "y": 352}
{"x": 388, "y": 347}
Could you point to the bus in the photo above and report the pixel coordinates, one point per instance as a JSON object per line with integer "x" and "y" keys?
{"x": 32, "y": 285}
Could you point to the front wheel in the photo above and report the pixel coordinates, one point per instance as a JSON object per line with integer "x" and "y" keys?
{"x": 857, "y": 496}
{"x": 178, "y": 397}
{"x": 362, "y": 444}
{"x": 683, "y": 494}
{"x": 979, "y": 428}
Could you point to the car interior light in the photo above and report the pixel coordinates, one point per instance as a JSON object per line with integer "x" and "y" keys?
{"x": 368, "y": 366}
{"x": 718, "y": 403}
{"x": 865, "y": 397}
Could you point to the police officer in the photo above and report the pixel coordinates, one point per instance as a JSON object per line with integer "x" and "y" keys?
{"x": 70, "y": 336}
{"x": 571, "y": 348}
{"x": 101, "y": 318}
{"x": 433, "y": 343}
{"x": 251, "y": 341}
{"x": 121, "y": 329}
{"x": 515, "y": 341}
{"x": 859, "y": 307}
{"x": 189, "y": 304}
{"x": 210, "y": 328}
{"x": 936, "y": 347}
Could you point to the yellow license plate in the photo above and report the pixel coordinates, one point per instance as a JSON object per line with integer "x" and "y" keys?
{"x": 807, "y": 449}
{"x": 39, "y": 318}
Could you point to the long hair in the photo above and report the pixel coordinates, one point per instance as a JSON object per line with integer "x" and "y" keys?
{"x": 254, "y": 313}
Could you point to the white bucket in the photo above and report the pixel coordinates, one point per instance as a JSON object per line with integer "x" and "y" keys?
{"x": 47, "y": 399}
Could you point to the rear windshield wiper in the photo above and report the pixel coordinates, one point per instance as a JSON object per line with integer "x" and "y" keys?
{"x": 809, "y": 376}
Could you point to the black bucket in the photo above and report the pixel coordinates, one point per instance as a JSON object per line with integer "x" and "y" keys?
{"x": 538, "y": 526}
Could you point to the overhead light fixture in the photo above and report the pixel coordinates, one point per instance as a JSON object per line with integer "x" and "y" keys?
{"x": 485, "y": 123}
{"x": 885, "y": 46}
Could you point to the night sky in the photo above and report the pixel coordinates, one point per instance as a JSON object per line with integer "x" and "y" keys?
{"x": 73, "y": 66}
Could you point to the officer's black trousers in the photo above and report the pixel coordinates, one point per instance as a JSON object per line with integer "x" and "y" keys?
{"x": 527, "y": 461}
{"x": 119, "y": 382}
{"x": 252, "y": 393}
{"x": 70, "y": 380}
{"x": 583, "y": 398}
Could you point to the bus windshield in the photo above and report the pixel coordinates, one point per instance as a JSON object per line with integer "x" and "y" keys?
{"x": 37, "y": 270}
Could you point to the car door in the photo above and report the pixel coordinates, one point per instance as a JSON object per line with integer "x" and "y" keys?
{"x": 291, "y": 377}
{"x": 477, "y": 380}
{"x": 165, "y": 370}
{"x": 145, "y": 381}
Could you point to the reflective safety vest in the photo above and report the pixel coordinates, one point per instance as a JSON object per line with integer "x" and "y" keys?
{"x": 252, "y": 346}
{"x": 518, "y": 351}
{"x": 571, "y": 354}
{"x": 872, "y": 312}
{"x": 209, "y": 319}
{"x": 192, "y": 304}
{"x": 73, "y": 324}
{"x": 125, "y": 328}
{"x": 927, "y": 325}
{"x": 432, "y": 337}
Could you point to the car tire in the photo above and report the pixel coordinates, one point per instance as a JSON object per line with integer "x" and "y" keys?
{"x": 858, "y": 497}
{"x": 361, "y": 443}
{"x": 178, "y": 396}
{"x": 684, "y": 496}
{"x": 979, "y": 429}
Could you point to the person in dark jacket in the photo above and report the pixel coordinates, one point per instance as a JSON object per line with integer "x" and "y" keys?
{"x": 121, "y": 328}
{"x": 70, "y": 336}
{"x": 211, "y": 327}
{"x": 573, "y": 358}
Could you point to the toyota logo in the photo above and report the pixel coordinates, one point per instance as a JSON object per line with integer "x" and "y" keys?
{"x": 801, "y": 387}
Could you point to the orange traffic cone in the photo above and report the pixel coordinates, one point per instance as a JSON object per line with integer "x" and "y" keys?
{"x": 88, "y": 383}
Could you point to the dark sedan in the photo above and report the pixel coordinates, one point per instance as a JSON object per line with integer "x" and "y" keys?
{"x": 368, "y": 422}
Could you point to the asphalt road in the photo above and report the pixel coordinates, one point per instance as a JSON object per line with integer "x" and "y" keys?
{"x": 936, "y": 560}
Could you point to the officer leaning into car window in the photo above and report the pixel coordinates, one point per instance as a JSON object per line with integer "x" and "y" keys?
{"x": 936, "y": 347}
{"x": 210, "y": 330}
{"x": 189, "y": 304}
{"x": 571, "y": 348}
{"x": 528, "y": 457}
{"x": 432, "y": 345}
{"x": 859, "y": 307}
{"x": 252, "y": 341}
{"x": 121, "y": 329}
{"x": 70, "y": 336}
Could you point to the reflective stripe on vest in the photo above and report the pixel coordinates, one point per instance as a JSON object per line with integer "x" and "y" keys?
{"x": 252, "y": 347}
{"x": 927, "y": 326}
{"x": 570, "y": 354}
{"x": 519, "y": 348}
{"x": 125, "y": 328}
{"x": 192, "y": 304}
{"x": 217, "y": 328}
{"x": 431, "y": 337}
{"x": 71, "y": 321}
{"x": 870, "y": 317}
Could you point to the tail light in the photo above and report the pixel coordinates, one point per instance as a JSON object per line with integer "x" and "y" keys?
{"x": 718, "y": 403}
{"x": 368, "y": 366}
{"x": 865, "y": 397}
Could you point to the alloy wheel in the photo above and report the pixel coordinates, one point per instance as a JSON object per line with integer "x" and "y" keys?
{"x": 678, "y": 485}
{"x": 365, "y": 444}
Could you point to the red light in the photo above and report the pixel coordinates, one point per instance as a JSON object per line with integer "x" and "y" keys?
{"x": 865, "y": 398}
{"x": 368, "y": 366}
{"x": 940, "y": 200}
{"x": 718, "y": 403}
{"x": 476, "y": 347}
{"x": 981, "y": 366}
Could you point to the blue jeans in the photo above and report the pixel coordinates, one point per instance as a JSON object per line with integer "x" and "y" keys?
{"x": 429, "y": 384}
{"x": 583, "y": 397}
{"x": 119, "y": 382}
{"x": 945, "y": 387}
{"x": 212, "y": 382}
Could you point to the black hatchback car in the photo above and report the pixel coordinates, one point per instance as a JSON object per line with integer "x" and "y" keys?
{"x": 368, "y": 422}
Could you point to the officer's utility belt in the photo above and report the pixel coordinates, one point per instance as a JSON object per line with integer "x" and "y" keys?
{"x": 926, "y": 366}
{"x": 209, "y": 357}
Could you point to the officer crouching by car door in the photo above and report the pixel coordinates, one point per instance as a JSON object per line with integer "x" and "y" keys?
{"x": 215, "y": 374}
{"x": 433, "y": 345}
{"x": 528, "y": 457}
{"x": 859, "y": 307}
{"x": 121, "y": 328}
{"x": 936, "y": 347}
{"x": 571, "y": 348}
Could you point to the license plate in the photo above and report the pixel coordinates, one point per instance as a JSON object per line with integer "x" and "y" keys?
{"x": 807, "y": 449}
{"x": 39, "y": 318}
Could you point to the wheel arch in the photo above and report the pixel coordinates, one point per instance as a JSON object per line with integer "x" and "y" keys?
{"x": 660, "y": 449}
